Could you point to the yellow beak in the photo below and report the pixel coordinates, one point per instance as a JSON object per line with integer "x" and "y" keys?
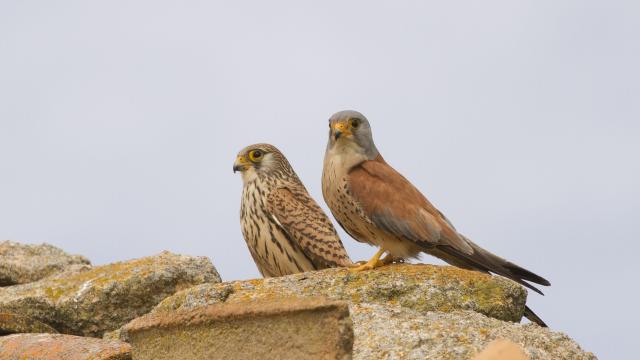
{"x": 341, "y": 129}
{"x": 241, "y": 164}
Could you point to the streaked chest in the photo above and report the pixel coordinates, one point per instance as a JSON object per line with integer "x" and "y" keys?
{"x": 253, "y": 214}
{"x": 270, "y": 247}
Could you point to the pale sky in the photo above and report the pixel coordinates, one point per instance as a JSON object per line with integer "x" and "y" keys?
{"x": 520, "y": 120}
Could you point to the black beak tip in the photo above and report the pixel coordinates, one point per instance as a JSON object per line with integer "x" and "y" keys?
{"x": 337, "y": 134}
{"x": 235, "y": 168}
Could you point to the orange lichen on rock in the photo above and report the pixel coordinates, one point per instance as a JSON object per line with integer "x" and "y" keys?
{"x": 58, "y": 347}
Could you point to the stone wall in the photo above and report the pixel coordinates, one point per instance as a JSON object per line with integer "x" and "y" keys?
{"x": 57, "y": 306}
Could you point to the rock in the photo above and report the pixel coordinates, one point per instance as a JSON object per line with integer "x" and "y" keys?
{"x": 398, "y": 312}
{"x": 15, "y": 324}
{"x": 21, "y": 263}
{"x": 106, "y": 297}
{"x": 422, "y": 288}
{"x": 502, "y": 350}
{"x": 61, "y": 347}
{"x": 394, "y": 332}
{"x": 285, "y": 329}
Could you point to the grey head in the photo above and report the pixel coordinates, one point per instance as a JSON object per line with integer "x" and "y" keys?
{"x": 349, "y": 130}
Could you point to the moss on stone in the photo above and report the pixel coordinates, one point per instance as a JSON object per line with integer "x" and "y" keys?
{"x": 106, "y": 297}
{"x": 420, "y": 287}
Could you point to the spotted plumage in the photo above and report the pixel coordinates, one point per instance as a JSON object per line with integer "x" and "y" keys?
{"x": 285, "y": 229}
{"x": 376, "y": 205}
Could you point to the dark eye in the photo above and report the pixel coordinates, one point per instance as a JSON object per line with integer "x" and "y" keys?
{"x": 355, "y": 123}
{"x": 255, "y": 155}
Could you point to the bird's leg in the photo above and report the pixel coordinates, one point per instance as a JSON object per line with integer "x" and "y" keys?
{"x": 373, "y": 263}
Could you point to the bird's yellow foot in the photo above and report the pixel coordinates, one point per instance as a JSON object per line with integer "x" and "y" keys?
{"x": 369, "y": 265}
{"x": 357, "y": 267}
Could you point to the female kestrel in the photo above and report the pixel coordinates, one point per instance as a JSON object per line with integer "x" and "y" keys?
{"x": 285, "y": 229}
{"x": 378, "y": 206}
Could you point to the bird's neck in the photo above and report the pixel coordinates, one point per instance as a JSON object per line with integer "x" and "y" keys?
{"x": 345, "y": 155}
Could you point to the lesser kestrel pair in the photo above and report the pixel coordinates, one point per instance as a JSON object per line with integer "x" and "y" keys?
{"x": 287, "y": 232}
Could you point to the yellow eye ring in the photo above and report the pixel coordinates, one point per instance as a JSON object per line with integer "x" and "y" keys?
{"x": 255, "y": 155}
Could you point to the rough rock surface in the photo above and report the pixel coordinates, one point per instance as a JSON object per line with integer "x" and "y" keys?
{"x": 402, "y": 311}
{"x": 61, "y": 347}
{"x": 394, "y": 332}
{"x": 15, "y": 324}
{"x": 309, "y": 328}
{"x": 420, "y": 287}
{"x": 22, "y": 263}
{"x": 106, "y": 297}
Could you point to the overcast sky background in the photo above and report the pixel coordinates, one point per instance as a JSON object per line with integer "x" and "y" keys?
{"x": 520, "y": 120}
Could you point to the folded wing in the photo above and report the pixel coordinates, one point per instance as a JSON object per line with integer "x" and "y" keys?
{"x": 307, "y": 225}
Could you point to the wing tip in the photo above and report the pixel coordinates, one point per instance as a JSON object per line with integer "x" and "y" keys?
{"x": 529, "y": 314}
{"x": 527, "y": 275}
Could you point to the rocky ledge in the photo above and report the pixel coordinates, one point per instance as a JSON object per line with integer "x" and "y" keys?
{"x": 423, "y": 288}
{"x": 395, "y": 332}
{"x": 21, "y": 264}
{"x": 103, "y": 298}
{"x": 398, "y": 312}
{"x": 61, "y": 347}
{"x": 169, "y": 305}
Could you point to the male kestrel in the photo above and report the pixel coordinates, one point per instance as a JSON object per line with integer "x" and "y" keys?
{"x": 378, "y": 206}
{"x": 285, "y": 229}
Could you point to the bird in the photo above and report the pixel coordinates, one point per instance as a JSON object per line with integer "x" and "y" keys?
{"x": 285, "y": 229}
{"x": 376, "y": 205}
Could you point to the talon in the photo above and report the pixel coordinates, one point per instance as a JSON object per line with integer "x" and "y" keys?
{"x": 371, "y": 264}
{"x": 366, "y": 266}
{"x": 357, "y": 263}
{"x": 361, "y": 268}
